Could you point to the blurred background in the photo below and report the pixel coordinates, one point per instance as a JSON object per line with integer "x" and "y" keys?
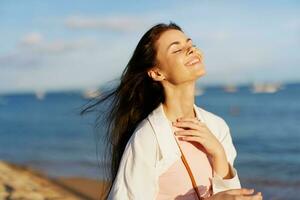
{"x": 56, "y": 55}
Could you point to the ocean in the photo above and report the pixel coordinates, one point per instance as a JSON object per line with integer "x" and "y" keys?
{"x": 49, "y": 135}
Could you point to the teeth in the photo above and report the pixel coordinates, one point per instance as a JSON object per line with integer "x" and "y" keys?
{"x": 193, "y": 62}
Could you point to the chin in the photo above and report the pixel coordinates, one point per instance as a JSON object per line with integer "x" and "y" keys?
{"x": 200, "y": 72}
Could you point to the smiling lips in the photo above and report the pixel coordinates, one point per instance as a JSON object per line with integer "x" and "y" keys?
{"x": 194, "y": 60}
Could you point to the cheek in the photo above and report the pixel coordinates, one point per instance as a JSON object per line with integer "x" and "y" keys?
{"x": 176, "y": 62}
{"x": 177, "y": 71}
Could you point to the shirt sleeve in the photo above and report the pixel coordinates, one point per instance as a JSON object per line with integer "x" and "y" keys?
{"x": 218, "y": 183}
{"x": 136, "y": 178}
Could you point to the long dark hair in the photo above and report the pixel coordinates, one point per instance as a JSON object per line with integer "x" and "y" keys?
{"x": 132, "y": 100}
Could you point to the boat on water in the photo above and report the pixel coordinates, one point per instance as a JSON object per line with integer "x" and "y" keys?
{"x": 91, "y": 93}
{"x": 265, "y": 87}
{"x": 40, "y": 94}
{"x": 230, "y": 88}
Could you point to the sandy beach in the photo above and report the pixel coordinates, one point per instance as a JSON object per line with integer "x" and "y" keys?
{"x": 84, "y": 187}
{"x": 21, "y": 182}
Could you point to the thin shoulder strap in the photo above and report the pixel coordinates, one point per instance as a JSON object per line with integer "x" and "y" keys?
{"x": 189, "y": 172}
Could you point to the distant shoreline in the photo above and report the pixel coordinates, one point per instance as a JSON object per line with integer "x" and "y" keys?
{"x": 93, "y": 91}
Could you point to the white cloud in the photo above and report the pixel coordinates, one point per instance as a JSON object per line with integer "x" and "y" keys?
{"x": 35, "y": 42}
{"x": 37, "y": 52}
{"x": 33, "y": 38}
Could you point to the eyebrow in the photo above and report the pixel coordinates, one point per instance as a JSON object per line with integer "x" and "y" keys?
{"x": 177, "y": 42}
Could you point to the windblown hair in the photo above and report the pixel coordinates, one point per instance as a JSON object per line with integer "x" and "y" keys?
{"x": 131, "y": 101}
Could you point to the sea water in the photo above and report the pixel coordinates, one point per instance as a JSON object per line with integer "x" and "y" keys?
{"x": 48, "y": 134}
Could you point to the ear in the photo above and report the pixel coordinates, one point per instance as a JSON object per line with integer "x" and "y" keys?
{"x": 155, "y": 74}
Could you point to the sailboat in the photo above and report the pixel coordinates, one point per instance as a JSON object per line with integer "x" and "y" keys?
{"x": 265, "y": 87}
{"x": 230, "y": 88}
{"x": 40, "y": 94}
{"x": 90, "y": 93}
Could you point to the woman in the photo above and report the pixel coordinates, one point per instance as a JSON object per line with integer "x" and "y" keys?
{"x": 163, "y": 145}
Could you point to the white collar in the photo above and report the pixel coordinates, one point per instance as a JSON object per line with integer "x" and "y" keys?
{"x": 164, "y": 132}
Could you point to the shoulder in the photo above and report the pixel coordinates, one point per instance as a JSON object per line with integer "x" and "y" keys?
{"x": 212, "y": 116}
{"x": 215, "y": 122}
{"x": 221, "y": 130}
{"x": 142, "y": 142}
{"x": 143, "y": 133}
{"x": 138, "y": 157}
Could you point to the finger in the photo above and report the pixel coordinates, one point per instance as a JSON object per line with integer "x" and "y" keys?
{"x": 186, "y": 124}
{"x": 191, "y": 139}
{"x": 258, "y": 194}
{"x": 252, "y": 197}
{"x": 189, "y": 119}
{"x": 188, "y": 133}
{"x": 178, "y": 128}
{"x": 241, "y": 191}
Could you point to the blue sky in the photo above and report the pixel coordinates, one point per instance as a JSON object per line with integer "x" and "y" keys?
{"x": 80, "y": 44}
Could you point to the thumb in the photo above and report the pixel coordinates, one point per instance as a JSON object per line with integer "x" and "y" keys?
{"x": 240, "y": 191}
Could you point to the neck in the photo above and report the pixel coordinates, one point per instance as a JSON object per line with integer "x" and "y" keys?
{"x": 179, "y": 101}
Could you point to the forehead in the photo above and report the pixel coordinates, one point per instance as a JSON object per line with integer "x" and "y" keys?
{"x": 170, "y": 36}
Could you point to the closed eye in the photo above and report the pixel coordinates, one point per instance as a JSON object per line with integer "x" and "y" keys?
{"x": 181, "y": 49}
{"x": 177, "y": 51}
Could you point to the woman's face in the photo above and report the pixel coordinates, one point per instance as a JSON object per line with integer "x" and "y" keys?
{"x": 178, "y": 60}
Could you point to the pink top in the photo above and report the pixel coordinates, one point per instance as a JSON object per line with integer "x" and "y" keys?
{"x": 175, "y": 183}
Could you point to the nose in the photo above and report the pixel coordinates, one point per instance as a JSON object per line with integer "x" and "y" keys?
{"x": 190, "y": 50}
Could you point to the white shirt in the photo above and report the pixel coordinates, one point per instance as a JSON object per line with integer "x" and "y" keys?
{"x": 152, "y": 149}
